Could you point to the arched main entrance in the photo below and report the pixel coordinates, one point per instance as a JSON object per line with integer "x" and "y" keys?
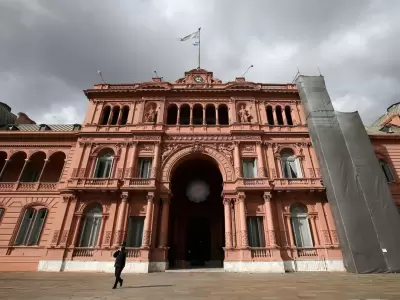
{"x": 196, "y": 223}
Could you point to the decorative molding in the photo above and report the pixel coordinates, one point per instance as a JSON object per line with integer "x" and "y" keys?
{"x": 267, "y": 196}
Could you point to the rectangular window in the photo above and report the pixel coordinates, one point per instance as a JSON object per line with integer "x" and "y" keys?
{"x": 302, "y": 232}
{"x": 135, "y": 232}
{"x": 249, "y": 168}
{"x": 255, "y": 228}
{"x": 90, "y": 231}
{"x": 144, "y": 168}
{"x": 25, "y": 227}
{"x": 291, "y": 168}
{"x": 37, "y": 227}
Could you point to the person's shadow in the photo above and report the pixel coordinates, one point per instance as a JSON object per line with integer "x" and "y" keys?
{"x": 147, "y": 286}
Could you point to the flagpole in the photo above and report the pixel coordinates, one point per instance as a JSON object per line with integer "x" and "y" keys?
{"x": 199, "y": 49}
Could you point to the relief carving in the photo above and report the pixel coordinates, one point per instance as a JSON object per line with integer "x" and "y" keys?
{"x": 151, "y": 113}
{"x": 167, "y": 149}
{"x": 244, "y": 115}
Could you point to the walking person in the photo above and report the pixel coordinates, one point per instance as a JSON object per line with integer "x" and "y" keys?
{"x": 120, "y": 259}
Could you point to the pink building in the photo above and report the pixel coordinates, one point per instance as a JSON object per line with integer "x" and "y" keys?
{"x": 188, "y": 173}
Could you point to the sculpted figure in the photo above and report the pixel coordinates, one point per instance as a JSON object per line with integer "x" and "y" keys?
{"x": 244, "y": 115}
{"x": 150, "y": 115}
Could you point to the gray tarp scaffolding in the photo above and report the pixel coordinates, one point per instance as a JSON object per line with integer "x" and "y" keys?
{"x": 366, "y": 219}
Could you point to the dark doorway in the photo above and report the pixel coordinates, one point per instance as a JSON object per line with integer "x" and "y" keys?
{"x": 196, "y": 223}
{"x": 199, "y": 241}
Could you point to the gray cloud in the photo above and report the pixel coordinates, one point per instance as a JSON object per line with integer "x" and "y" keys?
{"x": 51, "y": 50}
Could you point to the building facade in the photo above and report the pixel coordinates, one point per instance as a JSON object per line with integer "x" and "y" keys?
{"x": 191, "y": 173}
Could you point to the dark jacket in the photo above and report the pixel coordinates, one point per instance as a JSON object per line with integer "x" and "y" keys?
{"x": 120, "y": 258}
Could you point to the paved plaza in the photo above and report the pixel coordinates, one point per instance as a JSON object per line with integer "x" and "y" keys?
{"x": 63, "y": 286}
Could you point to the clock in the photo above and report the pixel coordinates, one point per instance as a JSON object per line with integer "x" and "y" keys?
{"x": 198, "y": 79}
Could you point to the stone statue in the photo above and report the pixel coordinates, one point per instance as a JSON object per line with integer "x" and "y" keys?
{"x": 244, "y": 115}
{"x": 150, "y": 115}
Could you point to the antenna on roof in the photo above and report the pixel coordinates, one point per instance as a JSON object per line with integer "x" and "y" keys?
{"x": 155, "y": 73}
{"x": 101, "y": 76}
{"x": 319, "y": 71}
{"x": 251, "y": 66}
{"x": 297, "y": 75}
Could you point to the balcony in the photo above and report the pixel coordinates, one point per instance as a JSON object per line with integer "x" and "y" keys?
{"x": 28, "y": 186}
{"x": 139, "y": 183}
{"x": 94, "y": 183}
{"x": 252, "y": 183}
{"x": 297, "y": 184}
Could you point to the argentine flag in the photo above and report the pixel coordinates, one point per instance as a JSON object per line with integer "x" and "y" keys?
{"x": 194, "y": 35}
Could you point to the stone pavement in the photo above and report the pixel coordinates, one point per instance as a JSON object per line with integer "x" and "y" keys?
{"x": 63, "y": 286}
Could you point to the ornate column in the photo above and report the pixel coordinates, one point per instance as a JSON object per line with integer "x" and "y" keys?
{"x": 260, "y": 159}
{"x": 216, "y": 116}
{"x": 166, "y": 199}
{"x": 70, "y": 202}
{"x": 120, "y": 219}
{"x": 274, "y": 115}
{"x": 23, "y": 169}
{"x": 156, "y": 160}
{"x": 111, "y": 116}
{"x": 76, "y": 229}
{"x": 269, "y": 219}
{"x": 148, "y": 220}
{"x": 133, "y": 162}
{"x": 46, "y": 161}
{"x": 243, "y": 222}
{"x": 284, "y": 116}
{"x": 228, "y": 225}
{"x": 236, "y": 160}
{"x": 178, "y": 117}
{"x": 191, "y": 116}
{"x": 314, "y": 229}
{"x": 324, "y": 224}
{"x": 4, "y": 168}
{"x": 204, "y": 115}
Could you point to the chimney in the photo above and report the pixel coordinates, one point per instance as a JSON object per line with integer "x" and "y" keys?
{"x": 240, "y": 79}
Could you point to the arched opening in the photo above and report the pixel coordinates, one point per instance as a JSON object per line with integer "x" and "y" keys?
{"x": 196, "y": 221}
{"x": 279, "y": 117}
{"x": 288, "y": 114}
{"x": 124, "y": 115}
{"x": 115, "y": 115}
{"x": 387, "y": 171}
{"x": 104, "y": 164}
{"x": 3, "y": 157}
{"x": 184, "y": 115}
{"x": 172, "y": 115}
{"x": 105, "y": 116}
{"x": 301, "y": 226}
{"x": 270, "y": 115}
{"x": 34, "y": 167}
{"x": 210, "y": 115}
{"x": 223, "y": 115}
{"x": 197, "y": 114}
{"x": 53, "y": 169}
{"x": 90, "y": 228}
{"x": 14, "y": 167}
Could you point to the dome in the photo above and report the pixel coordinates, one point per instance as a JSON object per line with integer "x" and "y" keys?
{"x": 6, "y": 116}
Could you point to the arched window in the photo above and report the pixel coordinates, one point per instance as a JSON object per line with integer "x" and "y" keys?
{"x": 2, "y": 210}
{"x": 105, "y": 116}
{"x": 279, "y": 117}
{"x": 290, "y": 165}
{"x": 115, "y": 115}
{"x": 31, "y": 227}
{"x": 270, "y": 115}
{"x": 223, "y": 115}
{"x": 104, "y": 165}
{"x": 387, "y": 170}
{"x": 91, "y": 226}
{"x": 172, "y": 114}
{"x": 124, "y": 116}
{"x": 184, "y": 115}
{"x": 300, "y": 226}
{"x": 210, "y": 115}
{"x": 197, "y": 114}
{"x": 288, "y": 114}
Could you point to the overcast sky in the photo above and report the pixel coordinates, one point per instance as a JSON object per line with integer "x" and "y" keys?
{"x": 51, "y": 50}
